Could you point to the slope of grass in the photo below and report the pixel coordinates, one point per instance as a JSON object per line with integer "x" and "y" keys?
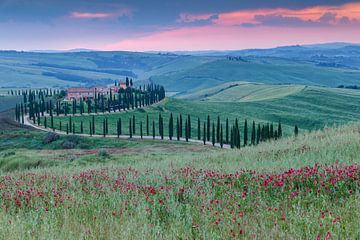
{"x": 243, "y": 92}
{"x": 310, "y": 109}
{"x": 192, "y": 194}
{"x": 261, "y": 70}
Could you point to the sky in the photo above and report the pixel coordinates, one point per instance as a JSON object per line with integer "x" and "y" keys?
{"x": 169, "y": 25}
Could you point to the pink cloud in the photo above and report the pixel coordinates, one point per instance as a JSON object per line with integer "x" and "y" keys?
{"x": 274, "y": 27}
{"x": 314, "y": 14}
{"x": 235, "y": 37}
{"x": 99, "y": 15}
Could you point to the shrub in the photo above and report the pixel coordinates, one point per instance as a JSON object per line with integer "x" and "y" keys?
{"x": 50, "y": 137}
{"x": 103, "y": 153}
{"x": 68, "y": 145}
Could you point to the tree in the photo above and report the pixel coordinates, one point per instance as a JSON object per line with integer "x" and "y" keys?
{"x": 189, "y": 127}
{"x": 133, "y": 125}
{"x": 81, "y": 127}
{"x": 147, "y": 124}
{"x": 161, "y": 127}
{"x": 213, "y": 134}
{"x": 296, "y": 131}
{"x": 45, "y": 122}
{"x": 253, "y": 134}
{"x": 199, "y": 133}
{"x": 279, "y": 130}
{"x": 90, "y": 129}
{"x": 141, "y": 130}
{"x": 181, "y": 126}
{"x": 271, "y": 134}
{"x": 218, "y": 129}
{"x": 227, "y": 131}
{"x": 208, "y": 128}
{"x": 221, "y": 137}
{"x": 186, "y": 130}
{"x": 130, "y": 128}
{"x": 171, "y": 126}
{"x": 104, "y": 128}
{"x": 177, "y": 129}
{"x": 245, "y": 133}
{"x": 204, "y": 134}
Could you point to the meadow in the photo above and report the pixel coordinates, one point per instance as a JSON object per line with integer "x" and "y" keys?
{"x": 295, "y": 188}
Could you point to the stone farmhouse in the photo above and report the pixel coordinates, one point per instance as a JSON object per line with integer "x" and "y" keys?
{"x": 89, "y": 93}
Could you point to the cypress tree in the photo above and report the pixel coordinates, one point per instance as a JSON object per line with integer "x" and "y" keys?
{"x": 181, "y": 126}
{"x": 186, "y": 131}
{"x": 45, "y": 122}
{"x": 199, "y": 126}
{"x": 213, "y": 134}
{"x": 218, "y": 129}
{"x": 276, "y": 134}
{"x": 245, "y": 133}
{"x": 130, "y": 128}
{"x": 189, "y": 127}
{"x": 93, "y": 125}
{"x": 67, "y": 128}
{"x": 107, "y": 126}
{"x": 279, "y": 130}
{"x": 73, "y": 128}
{"x": 141, "y": 130}
{"x": 60, "y": 126}
{"x": 177, "y": 129}
{"x": 208, "y": 128}
{"x": 204, "y": 134}
{"x": 271, "y": 135}
{"x": 221, "y": 137}
{"x": 52, "y": 122}
{"x": 104, "y": 127}
{"x": 70, "y": 124}
{"x": 120, "y": 126}
{"x": 22, "y": 114}
{"x": 258, "y": 133}
{"x": 296, "y": 131}
{"x": 171, "y": 126}
{"x": 81, "y": 127}
{"x": 227, "y": 131}
{"x": 253, "y": 134}
{"x": 161, "y": 127}
{"x": 133, "y": 125}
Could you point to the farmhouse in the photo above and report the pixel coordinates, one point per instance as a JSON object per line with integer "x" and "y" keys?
{"x": 89, "y": 93}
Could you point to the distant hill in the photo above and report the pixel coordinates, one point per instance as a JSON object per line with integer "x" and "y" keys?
{"x": 330, "y": 64}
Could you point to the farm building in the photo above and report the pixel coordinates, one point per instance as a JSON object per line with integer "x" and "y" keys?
{"x": 86, "y": 93}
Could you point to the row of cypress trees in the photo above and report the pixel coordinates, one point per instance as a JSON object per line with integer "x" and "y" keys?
{"x": 214, "y": 132}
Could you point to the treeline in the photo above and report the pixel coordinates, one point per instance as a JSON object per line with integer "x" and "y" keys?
{"x": 47, "y": 92}
{"x": 125, "y": 99}
{"x": 349, "y": 87}
{"x": 179, "y": 128}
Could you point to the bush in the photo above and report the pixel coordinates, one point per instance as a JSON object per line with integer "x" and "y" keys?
{"x": 50, "y": 137}
{"x": 103, "y": 154}
{"x": 68, "y": 145}
{"x": 74, "y": 139}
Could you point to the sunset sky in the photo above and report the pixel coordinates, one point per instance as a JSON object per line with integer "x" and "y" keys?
{"x": 144, "y": 25}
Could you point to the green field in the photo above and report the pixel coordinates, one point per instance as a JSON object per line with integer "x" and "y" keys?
{"x": 310, "y": 108}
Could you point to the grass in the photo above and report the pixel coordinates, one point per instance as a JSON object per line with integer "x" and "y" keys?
{"x": 311, "y": 108}
{"x": 190, "y": 194}
{"x": 243, "y": 92}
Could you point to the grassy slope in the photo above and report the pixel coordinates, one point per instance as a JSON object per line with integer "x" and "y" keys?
{"x": 95, "y": 219}
{"x": 264, "y": 70}
{"x": 243, "y": 92}
{"x": 312, "y": 108}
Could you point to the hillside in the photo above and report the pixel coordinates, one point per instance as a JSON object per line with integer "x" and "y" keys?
{"x": 257, "y": 69}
